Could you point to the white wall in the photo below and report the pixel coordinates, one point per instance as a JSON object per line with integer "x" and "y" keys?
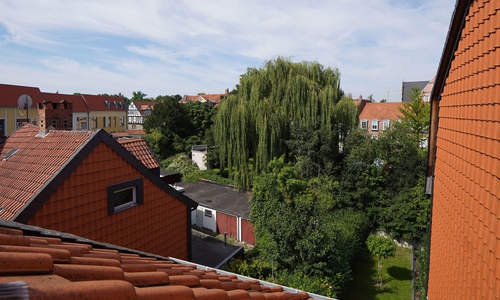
{"x": 199, "y": 158}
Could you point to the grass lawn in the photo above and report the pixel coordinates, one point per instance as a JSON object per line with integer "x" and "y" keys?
{"x": 396, "y": 277}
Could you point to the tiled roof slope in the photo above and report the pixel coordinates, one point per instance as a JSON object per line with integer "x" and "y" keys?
{"x": 44, "y": 264}
{"x": 381, "y": 111}
{"x": 78, "y": 104}
{"x": 140, "y": 149}
{"x": 465, "y": 154}
{"x": 212, "y": 98}
{"x": 33, "y": 165}
{"x": 10, "y": 93}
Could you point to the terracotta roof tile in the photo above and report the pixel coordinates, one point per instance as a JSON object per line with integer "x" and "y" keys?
{"x": 140, "y": 149}
{"x": 43, "y": 276}
{"x": 10, "y": 93}
{"x": 20, "y": 179}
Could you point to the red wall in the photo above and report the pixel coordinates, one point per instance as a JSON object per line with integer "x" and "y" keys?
{"x": 247, "y": 232}
{"x": 227, "y": 223}
{"x": 79, "y": 207}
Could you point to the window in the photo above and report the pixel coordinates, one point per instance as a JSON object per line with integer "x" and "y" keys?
{"x": 364, "y": 124}
{"x": 109, "y": 121}
{"x": 81, "y": 123}
{"x": 108, "y": 104}
{"x": 122, "y": 121}
{"x": 125, "y": 195}
{"x": 208, "y": 213}
{"x": 103, "y": 122}
{"x": 94, "y": 122}
{"x": 114, "y": 121}
{"x": 386, "y": 124}
{"x": 374, "y": 125}
{"x": 2, "y": 127}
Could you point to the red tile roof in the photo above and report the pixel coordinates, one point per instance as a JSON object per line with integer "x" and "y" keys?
{"x": 464, "y": 158}
{"x": 35, "y": 162}
{"x": 10, "y": 93}
{"x": 143, "y": 105}
{"x": 381, "y": 111}
{"x": 46, "y": 264}
{"x": 78, "y": 104}
{"x": 212, "y": 98}
{"x": 140, "y": 149}
{"x": 97, "y": 103}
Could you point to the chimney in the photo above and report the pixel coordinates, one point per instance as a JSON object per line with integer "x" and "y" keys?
{"x": 227, "y": 91}
{"x": 58, "y": 115}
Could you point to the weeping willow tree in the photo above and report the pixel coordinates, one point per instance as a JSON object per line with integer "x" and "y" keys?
{"x": 253, "y": 123}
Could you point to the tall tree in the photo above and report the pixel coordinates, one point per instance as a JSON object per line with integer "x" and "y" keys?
{"x": 416, "y": 114}
{"x": 254, "y": 122}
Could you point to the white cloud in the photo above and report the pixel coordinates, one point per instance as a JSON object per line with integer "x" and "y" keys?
{"x": 193, "y": 46}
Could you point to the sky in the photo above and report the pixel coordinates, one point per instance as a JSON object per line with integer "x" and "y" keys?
{"x": 186, "y": 47}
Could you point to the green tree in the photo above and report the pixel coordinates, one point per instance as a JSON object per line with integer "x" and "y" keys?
{"x": 381, "y": 247}
{"x": 253, "y": 123}
{"x": 138, "y": 96}
{"x": 416, "y": 114}
{"x": 298, "y": 229}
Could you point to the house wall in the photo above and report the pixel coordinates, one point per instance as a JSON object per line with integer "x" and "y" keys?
{"x": 199, "y": 158}
{"x": 201, "y": 218}
{"x": 112, "y": 114}
{"x": 76, "y": 121}
{"x": 80, "y": 207}
{"x": 227, "y": 223}
{"x": 465, "y": 228}
{"x": 12, "y": 114}
{"x": 247, "y": 232}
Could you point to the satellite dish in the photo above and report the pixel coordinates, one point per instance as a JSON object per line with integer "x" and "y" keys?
{"x": 24, "y": 101}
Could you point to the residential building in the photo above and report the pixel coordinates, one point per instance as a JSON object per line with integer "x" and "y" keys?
{"x": 11, "y": 115}
{"x": 81, "y": 112}
{"x": 377, "y": 117}
{"x": 213, "y": 99}
{"x": 106, "y": 112}
{"x": 138, "y": 111}
{"x": 36, "y": 263}
{"x": 464, "y": 158}
{"x": 428, "y": 90}
{"x": 86, "y": 183}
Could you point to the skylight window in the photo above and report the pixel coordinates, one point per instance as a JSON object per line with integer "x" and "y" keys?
{"x": 10, "y": 154}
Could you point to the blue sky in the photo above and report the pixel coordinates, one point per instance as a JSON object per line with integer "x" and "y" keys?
{"x": 188, "y": 47}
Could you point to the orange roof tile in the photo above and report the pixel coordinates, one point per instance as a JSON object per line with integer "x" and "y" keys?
{"x": 212, "y": 98}
{"x": 381, "y": 111}
{"x": 34, "y": 273}
{"x": 464, "y": 158}
{"x": 140, "y": 149}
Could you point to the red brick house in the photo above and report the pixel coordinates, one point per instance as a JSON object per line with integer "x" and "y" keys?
{"x": 86, "y": 183}
{"x": 213, "y": 99}
{"x": 464, "y": 158}
{"x": 376, "y": 117}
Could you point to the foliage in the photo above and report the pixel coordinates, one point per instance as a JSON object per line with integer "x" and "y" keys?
{"x": 386, "y": 178}
{"x": 183, "y": 164}
{"x": 416, "y": 113}
{"x": 256, "y": 120}
{"x": 298, "y": 229}
{"x": 381, "y": 247}
{"x": 174, "y": 128}
{"x": 311, "y": 284}
{"x": 216, "y": 175}
{"x": 422, "y": 255}
{"x": 138, "y": 96}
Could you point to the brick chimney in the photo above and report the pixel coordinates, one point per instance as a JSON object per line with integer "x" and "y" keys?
{"x": 58, "y": 115}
